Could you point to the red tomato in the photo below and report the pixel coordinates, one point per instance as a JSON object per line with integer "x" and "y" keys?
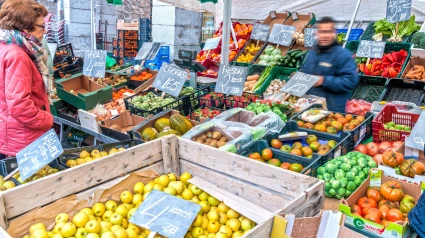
{"x": 365, "y": 202}
{"x": 372, "y": 149}
{"x": 356, "y": 209}
{"x": 374, "y": 211}
{"x": 373, "y": 217}
{"x": 361, "y": 148}
{"x": 395, "y": 215}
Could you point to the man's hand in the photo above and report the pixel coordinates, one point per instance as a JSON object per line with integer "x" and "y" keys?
{"x": 319, "y": 82}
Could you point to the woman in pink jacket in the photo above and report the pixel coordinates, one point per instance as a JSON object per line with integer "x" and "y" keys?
{"x": 24, "y": 104}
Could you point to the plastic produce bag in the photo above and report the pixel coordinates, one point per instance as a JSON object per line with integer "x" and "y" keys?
{"x": 110, "y": 62}
{"x": 358, "y": 107}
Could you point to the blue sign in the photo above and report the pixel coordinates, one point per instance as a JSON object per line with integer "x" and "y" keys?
{"x": 39, "y": 154}
{"x": 165, "y": 214}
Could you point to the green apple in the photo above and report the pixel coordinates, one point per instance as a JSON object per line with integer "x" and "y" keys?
{"x": 195, "y": 190}
{"x": 203, "y": 196}
{"x": 213, "y": 201}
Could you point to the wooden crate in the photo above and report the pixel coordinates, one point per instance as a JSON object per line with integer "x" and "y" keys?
{"x": 270, "y": 188}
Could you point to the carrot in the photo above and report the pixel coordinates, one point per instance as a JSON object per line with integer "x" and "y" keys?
{"x": 253, "y": 78}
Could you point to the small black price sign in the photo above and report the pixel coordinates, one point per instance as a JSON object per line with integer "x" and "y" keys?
{"x": 281, "y": 34}
{"x": 212, "y": 43}
{"x": 260, "y": 32}
{"x": 371, "y": 49}
{"x": 416, "y": 139}
{"x": 94, "y": 63}
{"x": 170, "y": 79}
{"x": 39, "y": 154}
{"x": 231, "y": 80}
{"x": 148, "y": 51}
{"x": 398, "y": 10}
{"x": 299, "y": 84}
{"x": 309, "y": 37}
{"x": 165, "y": 214}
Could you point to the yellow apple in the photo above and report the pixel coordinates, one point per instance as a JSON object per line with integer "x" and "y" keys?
{"x": 81, "y": 233}
{"x": 221, "y": 235}
{"x": 247, "y": 224}
{"x": 226, "y": 230}
{"x": 138, "y": 188}
{"x": 232, "y": 214}
{"x": 39, "y": 233}
{"x": 106, "y": 224}
{"x": 116, "y": 227}
{"x": 222, "y": 207}
{"x": 124, "y": 223}
{"x": 58, "y": 236}
{"x": 197, "y": 231}
{"x": 126, "y": 197}
{"x": 131, "y": 233}
{"x": 98, "y": 209}
{"x": 135, "y": 228}
{"x": 61, "y": 217}
{"x": 88, "y": 159}
{"x": 68, "y": 229}
{"x": 170, "y": 190}
{"x": 80, "y": 219}
{"x": 177, "y": 185}
{"x": 213, "y": 216}
{"x": 37, "y": 226}
{"x": 198, "y": 221}
{"x": 128, "y": 206}
{"x": 108, "y": 234}
{"x": 185, "y": 177}
{"x": 234, "y": 224}
{"x": 145, "y": 196}
{"x": 187, "y": 194}
{"x": 211, "y": 235}
{"x": 213, "y": 226}
{"x": 131, "y": 212}
{"x": 113, "y": 151}
{"x": 204, "y": 222}
{"x": 196, "y": 200}
{"x": 58, "y": 227}
{"x": 164, "y": 180}
{"x": 92, "y": 235}
{"x": 116, "y": 219}
{"x": 121, "y": 149}
{"x": 92, "y": 218}
{"x": 81, "y": 161}
{"x": 203, "y": 196}
{"x": 93, "y": 227}
{"x": 104, "y": 153}
{"x": 195, "y": 190}
{"x": 213, "y": 201}
{"x": 223, "y": 218}
{"x": 84, "y": 154}
{"x": 95, "y": 153}
{"x": 71, "y": 163}
{"x": 107, "y": 215}
{"x": 158, "y": 187}
{"x": 120, "y": 233}
{"x": 148, "y": 187}
{"x": 237, "y": 234}
{"x": 111, "y": 205}
{"x": 214, "y": 209}
{"x": 172, "y": 177}
{"x": 205, "y": 206}
{"x": 122, "y": 210}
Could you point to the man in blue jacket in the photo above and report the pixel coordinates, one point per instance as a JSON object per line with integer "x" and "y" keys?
{"x": 334, "y": 65}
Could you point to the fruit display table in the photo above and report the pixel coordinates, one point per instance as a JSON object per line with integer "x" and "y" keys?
{"x": 284, "y": 191}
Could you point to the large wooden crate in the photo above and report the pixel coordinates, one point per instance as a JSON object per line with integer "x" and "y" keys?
{"x": 271, "y": 189}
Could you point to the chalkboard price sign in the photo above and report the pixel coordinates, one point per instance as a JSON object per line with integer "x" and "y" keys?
{"x": 165, "y": 214}
{"x": 260, "y": 32}
{"x": 281, "y": 34}
{"x": 299, "y": 84}
{"x": 212, "y": 43}
{"x": 231, "y": 80}
{"x": 371, "y": 49}
{"x": 170, "y": 79}
{"x": 416, "y": 138}
{"x": 148, "y": 51}
{"x": 398, "y": 10}
{"x": 309, "y": 37}
{"x": 94, "y": 63}
{"x": 38, "y": 154}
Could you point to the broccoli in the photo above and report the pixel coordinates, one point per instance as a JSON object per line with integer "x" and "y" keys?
{"x": 417, "y": 37}
{"x": 422, "y": 43}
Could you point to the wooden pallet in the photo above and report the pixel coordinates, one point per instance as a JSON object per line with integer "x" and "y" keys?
{"x": 270, "y": 189}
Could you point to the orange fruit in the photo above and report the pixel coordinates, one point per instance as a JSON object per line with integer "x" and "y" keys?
{"x": 297, "y": 145}
{"x": 349, "y": 117}
{"x": 306, "y": 151}
{"x": 337, "y": 115}
{"x": 308, "y": 125}
{"x": 274, "y": 162}
{"x": 255, "y": 156}
{"x": 267, "y": 154}
{"x": 285, "y": 165}
{"x": 360, "y": 118}
{"x": 355, "y": 122}
{"x": 342, "y": 120}
{"x": 338, "y": 125}
{"x": 349, "y": 127}
{"x": 326, "y": 123}
{"x": 300, "y": 123}
{"x": 275, "y": 143}
{"x": 296, "y": 152}
{"x": 296, "y": 167}
{"x": 321, "y": 128}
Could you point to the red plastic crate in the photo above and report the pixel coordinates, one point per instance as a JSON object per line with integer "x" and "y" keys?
{"x": 211, "y": 66}
{"x": 390, "y": 113}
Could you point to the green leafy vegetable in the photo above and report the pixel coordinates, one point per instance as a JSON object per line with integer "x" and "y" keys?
{"x": 385, "y": 28}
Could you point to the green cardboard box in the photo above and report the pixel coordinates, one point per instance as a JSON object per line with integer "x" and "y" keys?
{"x": 398, "y": 229}
{"x": 82, "y": 92}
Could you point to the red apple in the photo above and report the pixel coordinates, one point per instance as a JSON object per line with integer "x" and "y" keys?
{"x": 372, "y": 149}
{"x": 397, "y": 144}
{"x": 361, "y": 148}
{"x": 378, "y": 158}
{"x": 384, "y": 146}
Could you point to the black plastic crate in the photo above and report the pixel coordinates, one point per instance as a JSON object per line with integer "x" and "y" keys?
{"x": 177, "y": 104}
{"x": 405, "y": 91}
{"x": 3, "y": 172}
{"x": 191, "y": 101}
{"x": 194, "y": 117}
{"x": 11, "y": 164}
{"x": 212, "y": 100}
{"x": 235, "y": 102}
{"x": 74, "y": 153}
{"x": 361, "y": 132}
{"x": 310, "y": 165}
{"x": 370, "y": 88}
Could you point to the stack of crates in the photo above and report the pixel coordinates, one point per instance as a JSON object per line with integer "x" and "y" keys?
{"x": 163, "y": 56}
{"x": 145, "y": 31}
{"x": 126, "y": 45}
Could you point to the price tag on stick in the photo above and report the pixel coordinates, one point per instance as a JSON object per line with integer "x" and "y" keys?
{"x": 371, "y": 49}
{"x": 260, "y": 32}
{"x": 398, "y": 10}
{"x": 309, "y": 37}
{"x": 299, "y": 84}
{"x": 94, "y": 63}
{"x": 165, "y": 214}
{"x": 148, "y": 51}
{"x": 231, "y": 80}
{"x": 39, "y": 154}
{"x": 170, "y": 79}
{"x": 281, "y": 34}
{"x": 211, "y": 44}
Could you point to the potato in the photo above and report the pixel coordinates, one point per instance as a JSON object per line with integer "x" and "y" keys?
{"x": 223, "y": 139}
{"x": 194, "y": 139}
{"x": 200, "y": 140}
{"x": 213, "y": 144}
{"x": 204, "y": 136}
{"x": 220, "y": 144}
{"x": 208, "y": 140}
{"x": 209, "y": 134}
{"x": 216, "y": 135}
{"x": 213, "y": 141}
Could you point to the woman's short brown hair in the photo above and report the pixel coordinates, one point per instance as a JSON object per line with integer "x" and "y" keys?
{"x": 21, "y": 14}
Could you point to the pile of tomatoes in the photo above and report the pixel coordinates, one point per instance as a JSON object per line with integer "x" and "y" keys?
{"x": 384, "y": 204}
{"x": 119, "y": 94}
{"x": 142, "y": 76}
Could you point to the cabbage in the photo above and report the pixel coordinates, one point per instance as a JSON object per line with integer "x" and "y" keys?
{"x": 271, "y": 64}
{"x": 262, "y": 62}
{"x": 277, "y": 57}
{"x": 276, "y": 52}
{"x": 264, "y": 57}
{"x": 269, "y": 49}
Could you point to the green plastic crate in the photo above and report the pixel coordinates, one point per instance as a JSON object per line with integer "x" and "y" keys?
{"x": 276, "y": 73}
{"x": 370, "y": 32}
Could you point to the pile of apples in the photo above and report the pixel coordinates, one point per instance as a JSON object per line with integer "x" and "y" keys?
{"x": 43, "y": 172}
{"x": 334, "y": 123}
{"x": 297, "y": 148}
{"x": 110, "y": 219}
{"x": 86, "y": 157}
{"x": 266, "y": 156}
{"x": 384, "y": 204}
{"x": 6, "y": 185}
{"x": 376, "y": 150}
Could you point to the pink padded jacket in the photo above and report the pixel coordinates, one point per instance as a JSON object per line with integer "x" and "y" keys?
{"x": 24, "y": 105}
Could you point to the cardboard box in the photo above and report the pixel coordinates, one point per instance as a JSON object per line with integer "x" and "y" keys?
{"x": 136, "y": 132}
{"x": 82, "y": 92}
{"x": 300, "y": 20}
{"x": 396, "y": 229}
{"x": 126, "y": 121}
{"x": 414, "y": 60}
{"x": 410, "y": 153}
{"x": 133, "y": 26}
{"x": 275, "y": 17}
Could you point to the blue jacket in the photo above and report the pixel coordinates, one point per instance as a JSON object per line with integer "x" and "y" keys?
{"x": 340, "y": 75}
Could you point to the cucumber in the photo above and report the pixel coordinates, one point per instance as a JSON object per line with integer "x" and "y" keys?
{"x": 293, "y": 54}
{"x": 291, "y": 65}
{"x": 294, "y": 61}
{"x": 292, "y": 51}
{"x": 299, "y": 55}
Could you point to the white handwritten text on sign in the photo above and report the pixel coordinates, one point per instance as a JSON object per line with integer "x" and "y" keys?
{"x": 310, "y": 37}
{"x": 170, "y": 79}
{"x": 398, "y": 10}
{"x": 95, "y": 63}
{"x": 231, "y": 80}
{"x": 260, "y": 32}
{"x": 299, "y": 84}
{"x": 371, "y": 49}
{"x": 281, "y": 34}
